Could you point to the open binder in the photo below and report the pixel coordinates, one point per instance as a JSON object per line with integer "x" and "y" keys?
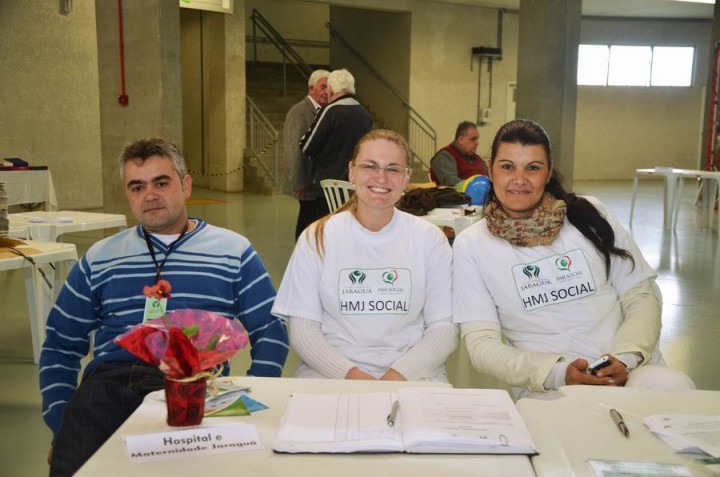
{"x": 430, "y": 420}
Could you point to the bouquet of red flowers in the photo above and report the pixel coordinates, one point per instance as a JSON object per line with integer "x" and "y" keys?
{"x": 185, "y": 345}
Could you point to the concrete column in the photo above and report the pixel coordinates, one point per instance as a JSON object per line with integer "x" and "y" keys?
{"x": 547, "y": 73}
{"x": 213, "y": 65}
{"x": 224, "y": 97}
{"x": 151, "y": 33}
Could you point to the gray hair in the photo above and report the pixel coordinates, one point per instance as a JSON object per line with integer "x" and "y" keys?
{"x": 463, "y": 128}
{"x": 316, "y": 76}
{"x": 341, "y": 81}
{"x": 141, "y": 149}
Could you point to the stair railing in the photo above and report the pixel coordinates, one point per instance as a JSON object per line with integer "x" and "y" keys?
{"x": 262, "y": 141}
{"x": 422, "y": 138}
{"x": 289, "y": 55}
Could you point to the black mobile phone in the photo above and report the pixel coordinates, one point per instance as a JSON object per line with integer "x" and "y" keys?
{"x": 598, "y": 364}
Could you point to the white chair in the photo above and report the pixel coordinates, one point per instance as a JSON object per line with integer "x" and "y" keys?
{"x": 336, "y": 192}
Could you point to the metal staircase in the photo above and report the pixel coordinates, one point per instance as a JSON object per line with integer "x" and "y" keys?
{"x": 266, "y": 108}
{"x": 273, "y": 88}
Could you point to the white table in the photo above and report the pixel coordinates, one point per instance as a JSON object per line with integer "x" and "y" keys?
{"x": 29, "y": 187}
{"x": 21, "y": 224}
{"x": 668, "y": 193}
{"x": 454, "y": 218}
{"x": 40, "y": 297}
{"x": 112, "y": 457}
{"x": 577, "y": 427}
{"x": 672, "y": 193}
{"x": 710, "y": 185}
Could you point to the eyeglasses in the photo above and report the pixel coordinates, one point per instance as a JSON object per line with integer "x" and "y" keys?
{"x": 391, "y": 170}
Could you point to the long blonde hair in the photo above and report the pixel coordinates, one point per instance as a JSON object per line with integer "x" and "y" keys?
{"x": 352, "y": 203}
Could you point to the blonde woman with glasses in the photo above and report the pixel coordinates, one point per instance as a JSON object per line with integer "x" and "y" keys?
{"x": 367, "y": 292}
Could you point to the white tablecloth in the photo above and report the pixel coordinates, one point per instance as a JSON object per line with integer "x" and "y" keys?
{"x": 29, "y": 187}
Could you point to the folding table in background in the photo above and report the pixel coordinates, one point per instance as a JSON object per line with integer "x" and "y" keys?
{"x": 40, "y": 295}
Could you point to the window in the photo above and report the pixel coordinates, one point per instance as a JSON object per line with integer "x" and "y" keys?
{"x": 672, "y": 66}
{"x": 593, "y": 64}
{"x": 629, "y": 66}
{"x": 620, "y": 65}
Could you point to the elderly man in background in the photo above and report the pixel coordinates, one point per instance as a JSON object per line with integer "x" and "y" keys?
{"x": 458, "y": 160}
{"x": 297, "y": 121}
{"x": 328, "y": 144}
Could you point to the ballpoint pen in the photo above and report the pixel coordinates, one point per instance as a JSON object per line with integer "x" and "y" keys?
{"x": 619, "y": 422}
{"x": 393, "y": 413}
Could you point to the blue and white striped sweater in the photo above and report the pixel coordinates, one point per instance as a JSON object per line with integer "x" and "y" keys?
{"x": 210, "y": 268}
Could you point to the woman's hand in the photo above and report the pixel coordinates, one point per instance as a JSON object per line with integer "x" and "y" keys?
{"x": 357, "y": 373}
{"x": 613, "y": 375}
{"x": 392, "y": 375}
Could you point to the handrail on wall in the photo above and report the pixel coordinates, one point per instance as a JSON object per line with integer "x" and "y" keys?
{"x": 289, "y": 55}
{"x": 263, "y": 137}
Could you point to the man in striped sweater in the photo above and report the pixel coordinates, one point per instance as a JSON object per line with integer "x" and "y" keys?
{"x": 208, "y": 268}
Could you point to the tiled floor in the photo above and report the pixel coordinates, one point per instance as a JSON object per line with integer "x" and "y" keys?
{"x": 687, "y": 261}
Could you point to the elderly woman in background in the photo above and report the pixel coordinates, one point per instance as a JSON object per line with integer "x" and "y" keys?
{"x": 367, "y": 291}
{"x": 558, "y": 277}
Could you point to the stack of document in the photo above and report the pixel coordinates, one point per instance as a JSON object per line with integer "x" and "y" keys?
{"x": 687, "y": 433}
{"x": 417, "y": 420}
{"x": 4, "y": 221}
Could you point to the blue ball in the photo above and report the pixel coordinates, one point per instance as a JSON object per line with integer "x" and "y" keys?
{"x": 477, "y": 188}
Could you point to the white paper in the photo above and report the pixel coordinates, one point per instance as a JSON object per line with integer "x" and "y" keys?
{"x": 687, "y": 432}
{"x": 437, "y": 420}
{"x": 442, "y": 212}
{"x": 338, "y": 423}
{"x": 607, "y": 468}
{"x": 171, "y": 445}
{"x": 461, "y": 420}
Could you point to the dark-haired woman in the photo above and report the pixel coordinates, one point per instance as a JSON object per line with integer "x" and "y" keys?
{"x": 558, "y": 278}
{"x": 367, "y": 291}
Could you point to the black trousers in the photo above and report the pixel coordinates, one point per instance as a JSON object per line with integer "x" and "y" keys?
{"x": 102, "y": 402}
{"x": 310, "y": 211}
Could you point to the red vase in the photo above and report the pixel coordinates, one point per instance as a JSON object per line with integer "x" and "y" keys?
{"x": 185, "y": 402}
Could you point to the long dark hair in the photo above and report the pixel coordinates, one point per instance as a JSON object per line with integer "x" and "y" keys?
{"x": 580, "y": 212}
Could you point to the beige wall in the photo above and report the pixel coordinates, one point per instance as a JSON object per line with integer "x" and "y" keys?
{"x": 387, "y": 50}
{"x": 628, "y": 128}
{"x": 294, "y": 20}
{"x": 443, "y": 86}
{"x": 620, "y": 129}
{"x": 49, "y": 95}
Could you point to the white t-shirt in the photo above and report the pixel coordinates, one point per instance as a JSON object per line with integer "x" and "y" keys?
{"x": 556, "y": 298}
{"x": 374, "y": 293}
